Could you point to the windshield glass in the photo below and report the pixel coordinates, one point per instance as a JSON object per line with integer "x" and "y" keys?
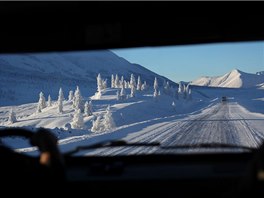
{"x": 183, "y": 99}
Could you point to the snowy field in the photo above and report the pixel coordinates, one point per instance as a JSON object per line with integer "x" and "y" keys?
{"x": 203, "y": 118}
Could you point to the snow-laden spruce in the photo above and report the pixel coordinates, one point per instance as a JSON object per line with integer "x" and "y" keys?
{"x": 49, "y": 101}
{"x": 112, "y": 81}
{"x": 108, "y": 120}
{"x": 104, "y": 123}
{"x": 41, "y": 102}
{"x": 12, "y": 117}
{"x": 60, "y": 101}
{"x": 88, "y": 108}
{"x": 139, "y": 84}
{"x": 78, "y": 100}
{"x": 156, "y": 85}
{"x": 77, "y": 122}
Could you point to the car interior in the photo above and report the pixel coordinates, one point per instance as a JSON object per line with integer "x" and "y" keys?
{"x": 71, "y": 26}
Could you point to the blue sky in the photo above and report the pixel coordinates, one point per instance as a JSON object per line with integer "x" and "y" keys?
{"x": 186, "y": 63}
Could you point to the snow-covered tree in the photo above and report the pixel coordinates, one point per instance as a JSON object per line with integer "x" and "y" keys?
{"x": 155, "y": 94}
{"x": 77, "y": 122}
{"x": 108, "y": 120}
{"x": 133, "y": 91}
{"x": 132, "y": 81}
{"x": 139, "y": 84}
{"x": 104, "y": 83}
{"x": 97, "y": 126}
{"x": 126, "y": 84}
{"x": 49, "y": 101}
{"x": 70, "y": 97}
{"x": 167, "y": 88}
{"x": 123, "y": 93}
{"x": 144, "y": 86}
{"x": 41, "y": 102}
{"x": 112, "y": 81}
{"x": 61, "y": 94}
{"x": 156, "y": 85}
{"x": 180, "y": 88}
{"x": 184, "y": 92}
{"x": 78, "y": 100}
{"x": 87, "y": 109}
{"x": 121, "y": 82}
{"x": 116, "y": 81}
{"x": 12, "y": 117}
{"x": 99, "y": 83}
{"x": 60, "y": 101}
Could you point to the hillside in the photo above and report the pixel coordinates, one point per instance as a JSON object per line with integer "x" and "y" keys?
{"x": 23, "y": 76}
{"x": 233, "y": 79}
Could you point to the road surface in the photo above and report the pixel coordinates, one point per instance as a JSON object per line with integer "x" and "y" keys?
{"x": 221, "y": 123}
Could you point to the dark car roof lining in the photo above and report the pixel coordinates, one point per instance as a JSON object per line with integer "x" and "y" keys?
{"x": 67, "y": 26}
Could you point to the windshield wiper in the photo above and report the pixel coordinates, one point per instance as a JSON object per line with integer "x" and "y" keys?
{"x": 208, "y": 145}
{"x": 120, "y": 143}
{"x": 111, "y": 143}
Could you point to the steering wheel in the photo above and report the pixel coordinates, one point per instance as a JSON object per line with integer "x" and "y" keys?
{"x": 49, "y": 165}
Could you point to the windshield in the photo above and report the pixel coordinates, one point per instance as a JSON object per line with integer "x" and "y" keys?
{"x": 178, "y": 99}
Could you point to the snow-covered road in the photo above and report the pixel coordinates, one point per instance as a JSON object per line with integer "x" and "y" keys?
{"x": 221, "y": 123}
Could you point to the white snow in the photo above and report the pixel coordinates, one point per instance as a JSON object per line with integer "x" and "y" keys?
{"x": 233, "y": 79}
{"x": 204, "y": 119}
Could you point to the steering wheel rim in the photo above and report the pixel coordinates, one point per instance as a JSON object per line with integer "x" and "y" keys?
{"x": 50, "y": 157}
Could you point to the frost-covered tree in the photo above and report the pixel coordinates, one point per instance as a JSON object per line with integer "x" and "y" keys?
{"x": 99, "y": 83}
{"x": 41, "y": 102}
{"x": 144, "y": 86}
{"x": 104, "y": 83}
{"x": 77, "y": 122}
{"x": 133, "y": 91}
{"x": 97, "y": 126}
{"x": 49, "y": 101}
{"x": 108, "y": 120}
{"x": 139, "y": 84}
{"x": 167, "y": 88}
{"x": 184, "y": 92}
{"x": 126, "y": 84}
{"x": 12, "y": 117}
{"x": 121, "y": 82}
{"x": 87, "y": 109}
{"x": 116, "y": 81}
{"x": 78, "y": 100}
{"x": 60, "y": 101}
{"x": 180, "y": 88}
{"x": 156, "y": 85}
{"x": 132, "y": 81}
{"x": 112, "y": 81}
{"x": 155, "y": 94}
{"x": 61, "y": 94}
{"x": 70, "y": 97}
{"x": 123, "y": 93}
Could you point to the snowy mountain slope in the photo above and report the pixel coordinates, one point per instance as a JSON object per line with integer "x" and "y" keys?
{"x": 233, "y": 79}
{"x": 23, "y": 76}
